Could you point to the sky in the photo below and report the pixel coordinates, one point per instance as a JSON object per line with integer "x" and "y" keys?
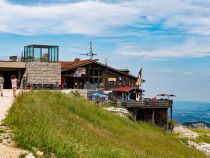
{"x": 170, "y": 39}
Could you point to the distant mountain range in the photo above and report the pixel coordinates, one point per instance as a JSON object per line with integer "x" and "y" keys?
{"x": 199, "y": 124}
{"x": 191, "y": 112}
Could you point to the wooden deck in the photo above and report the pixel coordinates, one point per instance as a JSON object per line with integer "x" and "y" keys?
{"x": 154, "y": 111}
{"x": 148, "y": 104}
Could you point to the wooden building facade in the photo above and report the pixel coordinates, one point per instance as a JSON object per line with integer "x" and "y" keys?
{"x": 152, "y": 110}
{"x": 90, "y": 74}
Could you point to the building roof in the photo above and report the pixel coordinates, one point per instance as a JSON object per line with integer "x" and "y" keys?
{"x": 126, "y": 89}
{"x": 65, "y": 64}
{"x": 41, "y": 46}
{"x": 123, "y": 70}
{"x": 69, "y": 65}
{"x": 116, "y": 70}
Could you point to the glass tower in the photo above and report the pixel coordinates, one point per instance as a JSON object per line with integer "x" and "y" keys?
{"x": 41, "y": 53}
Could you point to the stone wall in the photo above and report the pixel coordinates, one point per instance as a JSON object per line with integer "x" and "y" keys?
{"x": 43, "y": 73}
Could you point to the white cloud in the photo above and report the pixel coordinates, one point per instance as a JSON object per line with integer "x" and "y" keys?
{"x": 191, "y": 48}
{"x": 99, "y": 18}
{"x": 89, "y": 18}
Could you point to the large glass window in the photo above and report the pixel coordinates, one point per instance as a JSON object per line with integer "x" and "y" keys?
{"x": 42, "y": 53}
{"x": 37, "y": 52}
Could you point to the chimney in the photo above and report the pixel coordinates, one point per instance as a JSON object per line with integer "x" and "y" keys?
{"x": 76, "y": 59}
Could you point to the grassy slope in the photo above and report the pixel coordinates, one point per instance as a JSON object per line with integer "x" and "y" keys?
{"x": 73, "y": 127}
{"x": 204, "y": 135}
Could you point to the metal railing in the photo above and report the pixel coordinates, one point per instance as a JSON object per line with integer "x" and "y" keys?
{"x": 148, "y": 103}
{"x": 10, "y": 58}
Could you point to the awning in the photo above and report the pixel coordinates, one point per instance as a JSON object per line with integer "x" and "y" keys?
{"x": 127, "y": 89}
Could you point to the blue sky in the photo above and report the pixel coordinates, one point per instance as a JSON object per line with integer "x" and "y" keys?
{"x": 170, "y": 39}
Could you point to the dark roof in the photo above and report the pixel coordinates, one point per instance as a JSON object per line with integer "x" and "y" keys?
{"x": 41, "y": 46}
{"x": 116, "y": 70}
{"x": 65, "y": 63}
{"x": 123, "y": 70}
{"x": 69, "y": 65}
{"x": 126, "y": 89}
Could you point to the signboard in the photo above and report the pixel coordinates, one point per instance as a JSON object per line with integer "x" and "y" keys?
{"x": 80, "y": 71}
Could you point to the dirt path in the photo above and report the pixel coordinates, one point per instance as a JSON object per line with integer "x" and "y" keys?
{"x": 9, "y": 152}
{"x": 5, "y": 103}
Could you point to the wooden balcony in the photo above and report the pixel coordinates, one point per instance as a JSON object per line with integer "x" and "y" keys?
{"x": 144, "y": 104}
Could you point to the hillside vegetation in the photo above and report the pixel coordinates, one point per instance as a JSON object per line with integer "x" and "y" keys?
{"x": 73, "y": 127}
{"x": 204, "y": 135}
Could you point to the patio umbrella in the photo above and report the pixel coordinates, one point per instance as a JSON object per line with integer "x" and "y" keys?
{"x": 162, "y": 94}
{"x": 99, "y": 95}
{"x": 171, "y": 95}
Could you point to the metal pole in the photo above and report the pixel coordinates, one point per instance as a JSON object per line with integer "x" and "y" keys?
{"x": 33, "y": 53}
{"x": 171, "y": 120}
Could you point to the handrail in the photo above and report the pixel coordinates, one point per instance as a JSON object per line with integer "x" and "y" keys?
{"x": 158, "y": 103}
{"x": 10, "y": 58}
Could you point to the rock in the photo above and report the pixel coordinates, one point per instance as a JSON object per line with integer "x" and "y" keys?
{"x": 185, "y": 132}
{"x": 6, "y": 137}
{"x": 198, "y": 124}
{"x": 204, "y": 147}
{"x": 39, "y": 153}
{"x": 119, "y": 111}
{"x": 30, "y": 155}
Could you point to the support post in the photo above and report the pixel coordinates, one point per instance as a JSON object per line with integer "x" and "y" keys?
{"x": 57, "y": 53}
{"x": 166, "y": 118}
{"x": 19, "y": 75}
{"x": 171, "y": 119}
{"x": 33, "y": 53}
{"x": 153, "y": 116}
{"x": 40, "y": 56}
{"x": 135, "y": 113}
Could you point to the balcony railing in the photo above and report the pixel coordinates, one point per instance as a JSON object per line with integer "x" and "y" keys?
{"x": 10, "y": 58}
{"x": 148, "y": 104}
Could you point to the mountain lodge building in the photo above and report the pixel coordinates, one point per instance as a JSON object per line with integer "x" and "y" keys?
{"x": 91, "y": 74}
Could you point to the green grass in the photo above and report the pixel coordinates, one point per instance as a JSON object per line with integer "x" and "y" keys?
{"x": 72, "y": 127}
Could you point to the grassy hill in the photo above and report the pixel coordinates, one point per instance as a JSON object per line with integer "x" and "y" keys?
{"x": 72, "y": 127}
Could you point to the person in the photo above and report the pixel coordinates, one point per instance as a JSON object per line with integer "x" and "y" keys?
{"x": 14, "y": 82}
{"x": 1, "y": 84}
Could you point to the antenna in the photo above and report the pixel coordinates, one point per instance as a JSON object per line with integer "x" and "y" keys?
{"x": 106, "y": 61}
{"x": 90, "y": 54}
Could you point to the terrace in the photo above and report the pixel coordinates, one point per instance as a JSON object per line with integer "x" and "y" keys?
{"x": 10, "y": 58}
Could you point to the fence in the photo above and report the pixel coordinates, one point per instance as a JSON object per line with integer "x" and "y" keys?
{"x": 10, "y": 58}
